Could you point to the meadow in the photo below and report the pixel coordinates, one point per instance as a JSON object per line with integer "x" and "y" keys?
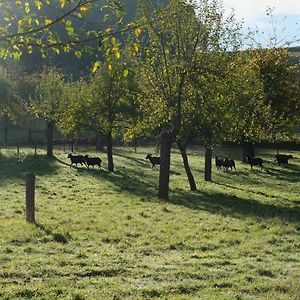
{"x": 103, "y": 235}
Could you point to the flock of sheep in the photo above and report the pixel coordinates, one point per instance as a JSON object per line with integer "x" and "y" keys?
{"x": 226, "y": 163}
{"x": 281, "y": 159}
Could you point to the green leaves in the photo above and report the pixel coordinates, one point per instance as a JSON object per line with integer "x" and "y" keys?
{"x": 96, "y": 66}
{"x": 48, "y": 93}
{"x": 36, "y": 27}
{"x": 125, "y": 73}
{"x": 9, "y": 103}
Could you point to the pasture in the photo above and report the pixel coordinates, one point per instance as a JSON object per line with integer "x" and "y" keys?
{"x": 103, "y": 235}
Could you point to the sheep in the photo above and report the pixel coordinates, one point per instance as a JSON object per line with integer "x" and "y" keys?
{"x": 282, "y": 158}
{"x": 155, "y": 160}
{"x": 76, "y": 159}
{"x": 219, "y": 162}
{"x": 228, "y": 163}
{"x": 254, "y": 161}
{"x": 92, "y": 161}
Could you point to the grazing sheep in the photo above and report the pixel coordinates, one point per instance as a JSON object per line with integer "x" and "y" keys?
{"x": 282, "y": 158}
{"x": 219, "y": 162}
{"x": 254, "y": 161}
{"x": 155, "y": 160}
{"x": 228, "y": 163}
{"x": 76, "y": 159}
{"x": 92, "y": 161}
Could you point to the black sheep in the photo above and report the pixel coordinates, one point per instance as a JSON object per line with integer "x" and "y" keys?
{"x": 93, "y": 161}
{"x": 228, "y": 163}
{"x": 155, "y": 160}
{"x": 282, "y": 158}
{"x": 76, "y": 159}
{"x": 219, "y": 162}
{"x": 254, "y": 161}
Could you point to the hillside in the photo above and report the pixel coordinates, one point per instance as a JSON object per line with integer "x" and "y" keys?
{"x": 295, "y": 54}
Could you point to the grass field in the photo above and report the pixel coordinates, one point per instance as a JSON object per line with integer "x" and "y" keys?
{"x": 107, "y": 236}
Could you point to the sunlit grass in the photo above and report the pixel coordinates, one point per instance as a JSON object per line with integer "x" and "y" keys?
{"x": 107, "y": 236}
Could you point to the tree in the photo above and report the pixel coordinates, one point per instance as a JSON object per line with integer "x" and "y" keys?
{"x": 281, "y": 86}
{"x": 110, "y": 91}
{"x": 168, "y": 48}
{"x": 206, "y": 113}
{"x": 166, "y": 51}
{"x": 266, "y": 93}
{"x": 252, "y": 116}
{"x": 46, "y": 98}
{"x": 103, "y": 103}
{"x": 9, "y": 100}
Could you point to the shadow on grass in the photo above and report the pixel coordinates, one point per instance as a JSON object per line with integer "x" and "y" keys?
{"x": 57, "y": 237}
{"x": 63, "y": 162}
{"x": 288, "y": 172}
{"x": 131, "y": 181}
{"x": 238, "y": 207}
{"x": 141, "y": 182}
{"x": 11, "y": 167}
{"x": 141, "y": 161}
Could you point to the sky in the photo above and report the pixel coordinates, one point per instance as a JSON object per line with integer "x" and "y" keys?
{"x": 286, "y": 17}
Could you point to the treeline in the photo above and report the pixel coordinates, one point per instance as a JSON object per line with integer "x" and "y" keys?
{"x": 180, "y": 75}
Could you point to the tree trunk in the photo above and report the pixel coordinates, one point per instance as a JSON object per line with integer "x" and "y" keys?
{"x": 187, "y": 168}
{"x": 5, "y": 129}
{"x": 248, "y": 150}
{"x": 99, "y": 141}
{"x": 109, "y": 153}
{"x": 135, "y": 145}
{"x": 208, "y": 158}
{"x": 50, "y": 129}
{"x": 164, "y": 171}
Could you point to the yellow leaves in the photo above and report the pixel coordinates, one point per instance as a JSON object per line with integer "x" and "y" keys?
{"x": 67, "y": 48}
{"x": 29, "y": 49}
{"x": 38, "y": 4}
{"x": 56, "y": 50}
{"x": 113, "y": 41}
{"x": 138, "y": 32}
{"x": 96, "y": 67}
{"x": 78, "y": 54}
{"x": 27, "y": 8}
{"x": 48, "y": 22}
{"x": 118, "y": 55}
{"x": 16, "y": 47}
{"x": 110, "y": 67}
{"x": 136, "y": 47}
{"x": 62, "y": 3}
{"x": 84, "y": 9}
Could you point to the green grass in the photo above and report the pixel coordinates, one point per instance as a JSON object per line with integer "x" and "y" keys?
{"x": 107, "y": 236}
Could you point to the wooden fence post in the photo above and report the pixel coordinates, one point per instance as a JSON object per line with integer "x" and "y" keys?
{"x": 30, "y": 191}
